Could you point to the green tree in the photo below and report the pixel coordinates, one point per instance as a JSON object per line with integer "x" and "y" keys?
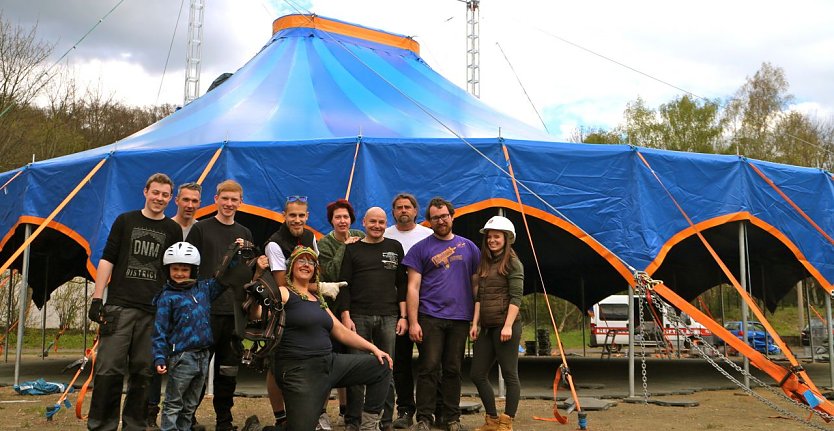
{"x": 601, "y": 136}
{"x": 798, "y": 140}
{"x": 642, "y": 127}
{"x": 754, "y": 107}
{"x": 690, "y": 125}
{"x": 596, "y": 136}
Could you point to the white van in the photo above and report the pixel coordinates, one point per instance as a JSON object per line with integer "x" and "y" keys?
{"x": 609, "y": 326}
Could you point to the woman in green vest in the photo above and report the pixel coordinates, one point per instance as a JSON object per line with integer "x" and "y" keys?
{"x": 496, "y": 329}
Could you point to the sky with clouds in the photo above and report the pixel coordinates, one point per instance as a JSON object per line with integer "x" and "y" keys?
{"x": 580, "y": 62}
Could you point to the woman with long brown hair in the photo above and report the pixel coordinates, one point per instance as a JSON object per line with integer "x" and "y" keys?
{"x": 496, "y": 328}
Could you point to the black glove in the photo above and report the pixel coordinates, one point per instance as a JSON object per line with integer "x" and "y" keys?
{"x": 96, "y": 313}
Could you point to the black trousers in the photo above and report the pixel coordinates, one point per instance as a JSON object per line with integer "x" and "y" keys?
{"x": 439, "y": 367}
{"x": 307, "y": 383}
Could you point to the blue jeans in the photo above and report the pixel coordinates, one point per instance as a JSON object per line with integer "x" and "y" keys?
{"x": 306, "y": 384}
{"x": 441, "y": 356}
{"x": 382, "y": 332}
{"x": 187, "y": 374}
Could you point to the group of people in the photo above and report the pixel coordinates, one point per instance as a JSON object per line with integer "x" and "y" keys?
{"x": 401, "y": 285}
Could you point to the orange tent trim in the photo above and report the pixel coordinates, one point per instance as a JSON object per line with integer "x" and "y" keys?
{"x": 75, "y": 236}
{"x": 616, "y": 263}
{"x": 254, "y": 210}
{"x": 317, "y": 22}
{"x": 728, "y": 218}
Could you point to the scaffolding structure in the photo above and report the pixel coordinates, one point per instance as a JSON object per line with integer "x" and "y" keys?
{"x": 473, "y": 49}
{"x": 193, "y": 51}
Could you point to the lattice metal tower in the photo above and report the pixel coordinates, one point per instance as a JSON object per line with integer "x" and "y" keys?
{"x": 194, "y": 50}
{"x": 473, "y": 49}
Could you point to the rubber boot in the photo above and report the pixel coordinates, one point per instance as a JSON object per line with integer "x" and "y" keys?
{"x": 370, "y": 421}
{"x": 505, "y": 423}
{"x": 490, "y": 423}
{"x": 135, "y": 410}
{"x": 105, "y": 403}
{"x": 153, "y": 412}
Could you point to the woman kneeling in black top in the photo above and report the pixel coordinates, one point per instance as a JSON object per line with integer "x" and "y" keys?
{"x": 305, "y": 366}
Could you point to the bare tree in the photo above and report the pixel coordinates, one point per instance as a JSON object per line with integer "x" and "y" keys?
{"x": 67, "y": 301}
{"x": 23, "y": 74}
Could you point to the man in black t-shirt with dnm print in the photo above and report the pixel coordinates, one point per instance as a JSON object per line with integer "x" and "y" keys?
{"x": 132, "y": 262}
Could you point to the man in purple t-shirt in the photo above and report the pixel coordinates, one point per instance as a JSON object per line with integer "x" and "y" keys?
{"x": 442, "y": 271}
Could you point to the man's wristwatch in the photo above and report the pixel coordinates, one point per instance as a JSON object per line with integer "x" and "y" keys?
{"x": 403, "y": 317}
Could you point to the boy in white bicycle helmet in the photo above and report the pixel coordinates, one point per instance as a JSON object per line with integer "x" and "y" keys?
{"x": 182, "y": 333}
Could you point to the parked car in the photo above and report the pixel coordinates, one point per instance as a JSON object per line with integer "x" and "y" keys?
{"x": 817, "y": 331}
{"x": 757, "y": 336}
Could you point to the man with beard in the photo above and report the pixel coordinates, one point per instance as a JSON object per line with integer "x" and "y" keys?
{"x": 442, "y": 269}
{"x": 373, "y": 304}
{"x": 130, "y": 270}
{"x": 404, "y": 208}
{"x": 212, "y": 238}
{"x": 292, "y": 233}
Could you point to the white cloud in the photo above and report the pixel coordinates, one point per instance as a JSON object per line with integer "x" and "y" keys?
{"x": 708, "y": 48}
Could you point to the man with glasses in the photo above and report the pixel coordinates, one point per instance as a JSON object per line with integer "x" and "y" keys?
{"x": 212, "y": 238}
{"x": 441, "y": 272}
{"x": 131, "y": 272}
{"x": 292, "y": 233}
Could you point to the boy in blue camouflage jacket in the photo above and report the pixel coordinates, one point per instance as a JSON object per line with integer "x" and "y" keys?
{"x": 182, "y": 333}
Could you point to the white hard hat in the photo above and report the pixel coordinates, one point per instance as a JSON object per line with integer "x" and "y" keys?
{"x": 500, "y": 223}
{"x": 181, "y": 252}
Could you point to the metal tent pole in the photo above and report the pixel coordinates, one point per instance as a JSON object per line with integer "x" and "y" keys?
{"x": 535, "y": 319}
{"x": 8, "y": 316}
{"x": 43, "y": 311}
{"x": 631, "y": 392}
{"x": 742, "y": 259}
{"x": 84, "y": 315}
{"x": 830, "y": 336}
{"x": 23, "y": 300}
{"x": 584, "y": 313}
{"x": 723, "y": 317}
{"x": 810, "y": 321}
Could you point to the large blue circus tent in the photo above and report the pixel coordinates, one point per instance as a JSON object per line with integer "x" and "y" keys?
{"x": 329, "y": 109}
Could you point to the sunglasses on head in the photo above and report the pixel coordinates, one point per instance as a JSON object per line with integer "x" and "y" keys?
{"x": 296, "y": 198}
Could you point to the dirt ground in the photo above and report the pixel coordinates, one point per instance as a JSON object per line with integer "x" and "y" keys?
{"x": 717, "y": 410}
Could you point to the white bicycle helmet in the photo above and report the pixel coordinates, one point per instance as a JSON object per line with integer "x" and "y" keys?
{"x": 502, "y": 224}
{"x": 181, "y": 252}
